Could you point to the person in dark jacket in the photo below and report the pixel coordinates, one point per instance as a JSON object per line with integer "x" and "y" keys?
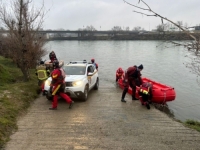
{"x": 52, "y": 56}
{"x": 132, "y": 78}
{"x": 57, "y": 86}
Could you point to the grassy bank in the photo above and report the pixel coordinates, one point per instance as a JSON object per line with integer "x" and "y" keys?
{"x": 193, "y": 124}
{"x": 15, "y": 97}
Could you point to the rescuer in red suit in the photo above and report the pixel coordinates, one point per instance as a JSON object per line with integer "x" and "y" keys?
{"x": 57, "y": 86}
{"x": 132, "y": 78}
{"x": 145, "y": 92}
{"x": 119, "y": 74}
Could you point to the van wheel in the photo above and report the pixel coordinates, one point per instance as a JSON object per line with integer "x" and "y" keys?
{"x": 85, "y": 94}
{"x": 96, "y": 87}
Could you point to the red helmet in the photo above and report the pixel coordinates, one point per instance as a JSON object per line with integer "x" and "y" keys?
{"x": 92, "y": 60}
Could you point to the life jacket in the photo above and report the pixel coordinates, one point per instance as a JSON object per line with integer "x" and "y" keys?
{"x": 41, "y": 72}
{"x": 145, "y": 88}
{"x": 144, "y": 91}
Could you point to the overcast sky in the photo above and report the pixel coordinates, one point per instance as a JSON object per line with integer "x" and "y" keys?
{"x": 105, "y": 14}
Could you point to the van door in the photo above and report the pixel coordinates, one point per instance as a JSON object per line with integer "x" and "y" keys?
{"x": 91, "y": 76}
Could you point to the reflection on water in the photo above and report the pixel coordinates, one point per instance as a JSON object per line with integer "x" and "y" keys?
{"x": 161, "y": 64}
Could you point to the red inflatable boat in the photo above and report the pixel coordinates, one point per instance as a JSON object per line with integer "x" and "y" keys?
{"x": 161, "y": 93}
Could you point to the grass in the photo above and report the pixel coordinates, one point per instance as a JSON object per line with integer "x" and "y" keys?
{"x": 15, "y": 97}
{"x": 193, "y": 124}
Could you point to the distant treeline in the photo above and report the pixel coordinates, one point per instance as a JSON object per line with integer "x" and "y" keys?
{"x": 140, "y": 36}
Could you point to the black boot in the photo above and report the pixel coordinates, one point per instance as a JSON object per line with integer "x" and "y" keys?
{"x": 53, "y": 108}
{"x": 124, "y": 92}
{"x": 134, "y": 98}
{"x": 147, "y": 105}
{"x": 71, "y": 104}
{"x": 122, "y": 100}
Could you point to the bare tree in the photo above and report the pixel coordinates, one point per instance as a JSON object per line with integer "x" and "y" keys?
{"x": 193, "y": 46}
{"x": 24, "y": 44}
{"x": 137, "y": 28}
{"x": 163, "y": 27}
{"x": 180, "y": 23}
{"x": 116, "y": 28}
{"x": 160, "y": 28}
{"x": 90, "y": 28}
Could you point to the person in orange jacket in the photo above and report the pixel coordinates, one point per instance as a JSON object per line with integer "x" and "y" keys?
{"x": 132, "y": 76}
{"x": 119, "y": 74}
{"x": 57, "y": 86}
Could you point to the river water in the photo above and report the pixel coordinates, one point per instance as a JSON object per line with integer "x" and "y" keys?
{"x": 161, "y": 64}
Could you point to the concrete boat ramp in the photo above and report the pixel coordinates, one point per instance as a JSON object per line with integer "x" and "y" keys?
{"x": 103, "y": 122}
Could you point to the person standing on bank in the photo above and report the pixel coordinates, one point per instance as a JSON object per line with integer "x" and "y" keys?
{"x": 52, "y": 56}
{"x": 94, "y": 63}
{"x": 132, "y": 76}
{"x": 57, "y": 86}
{"x": 42, "y": 73}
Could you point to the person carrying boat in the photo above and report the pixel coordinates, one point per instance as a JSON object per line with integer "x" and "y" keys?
{"x": 132, "y": 78}
{"x": 52, "y": 56}
{"x": 145, "y": 93}
{"x": 57, "y": 86}
{"x": 94, "y": 63}
{"x": 119, "y": 74}
{"x": 42, "y": 72}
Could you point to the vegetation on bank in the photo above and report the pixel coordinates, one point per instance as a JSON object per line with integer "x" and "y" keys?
{"x": 15, "y": 96}
{"x": 193, "y": 124}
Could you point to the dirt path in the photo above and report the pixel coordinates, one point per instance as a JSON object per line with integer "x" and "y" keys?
{"x": 103, "y": 122}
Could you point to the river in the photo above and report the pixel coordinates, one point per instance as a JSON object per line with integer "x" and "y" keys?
{"x": 161, "y": 64}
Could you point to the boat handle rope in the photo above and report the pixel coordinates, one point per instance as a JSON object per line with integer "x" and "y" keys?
{"x": 164, "y": 93}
